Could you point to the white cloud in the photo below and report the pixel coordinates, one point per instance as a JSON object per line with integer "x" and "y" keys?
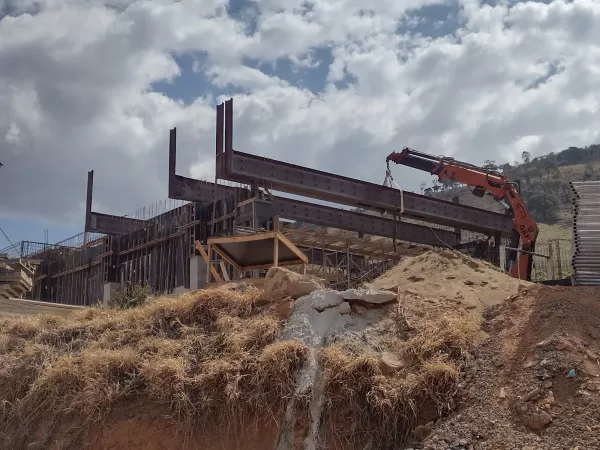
{"x": 77, "y": 77}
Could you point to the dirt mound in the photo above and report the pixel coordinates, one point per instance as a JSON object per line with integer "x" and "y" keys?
{"x": 206, "y": 359}
{"x": 445, "y": 280}
{"x": 535, "y": 383}
{"x": 331, "y": 370}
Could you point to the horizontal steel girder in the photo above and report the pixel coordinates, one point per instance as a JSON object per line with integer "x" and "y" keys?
{"x": 246, "y": 168}
{"x": 191, "y": 190}
{"x": 183, "y": 188}
{"x": 109, "y": 224}
{"x": 363, "y": 223}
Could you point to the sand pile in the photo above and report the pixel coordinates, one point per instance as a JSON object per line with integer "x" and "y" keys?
{"x": 440, "y": 281}
{"x": 535, "y": 383}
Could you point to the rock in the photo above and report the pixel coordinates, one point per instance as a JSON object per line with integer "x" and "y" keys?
{"x": 546, "y": 345}
{"x": 522, "y": 289}
{"x": 241, "y": 286}
{"x": 423, "y": 431}
{"x": 547, "y": 384}
{"x": 327, "y": 299}
{"x": 283, "y": 309}
{"x": 373, "y": 296}
{"x": 564, "y": 345}
{"x": 469, "y": 283}
{"x": 592, "y": 385}
{"x": 536, "y": 419}
{"x": 502, "y": 393}
{"x": 345, "y": 308}
{"x": 388, "y": 363}
{"x": 523, "y": 408}
{"x": 281, "y": 282}
{"x": 532, "y": 395}
{"x": 548, "y": 399}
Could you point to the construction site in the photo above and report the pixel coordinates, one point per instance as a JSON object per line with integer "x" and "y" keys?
{"x": 234, "y": 317}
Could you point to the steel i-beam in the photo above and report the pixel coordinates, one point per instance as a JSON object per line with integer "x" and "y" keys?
{"x": 184, "y": 188}
{"x": 243, "y": 167}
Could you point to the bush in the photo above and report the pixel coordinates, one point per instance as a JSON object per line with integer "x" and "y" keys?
{"x": 130, "y": 295}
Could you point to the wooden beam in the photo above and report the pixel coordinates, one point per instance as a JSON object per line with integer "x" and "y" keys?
{"x": 292, "y": 247}
{"x": 209, "y": 266}
{"x": 269, "y": 265}
{"x": 224, "y": 271}
{"x": 246, "y": 238}
{"x": 276, "y": 248}
{"x": 226, "y": 256}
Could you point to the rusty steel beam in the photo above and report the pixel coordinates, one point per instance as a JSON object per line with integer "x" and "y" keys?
{"x": 109, "y": 224}
{"x": 327, "y": 216}
{"x": 106, "y": 223}
{"x": 189, "y": 189}
{"x": 243, "y": 167}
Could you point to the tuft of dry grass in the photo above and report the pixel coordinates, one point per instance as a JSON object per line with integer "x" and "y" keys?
{"x": 449, "y": 335}
{"x": 385, "y": 408}
{"x": 208, "y": 356}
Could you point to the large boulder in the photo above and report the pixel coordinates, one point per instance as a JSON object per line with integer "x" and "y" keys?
{"x": 281, "y": 282}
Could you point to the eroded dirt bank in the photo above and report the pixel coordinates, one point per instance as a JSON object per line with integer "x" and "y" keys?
{"x": 448, "y": 353}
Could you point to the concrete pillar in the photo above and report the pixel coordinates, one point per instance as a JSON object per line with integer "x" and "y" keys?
{"x": 197, "y": 272}
{"x": 502, "y": 256}
{"x": 109, "y": 288}
{"x": 179, "y": 290}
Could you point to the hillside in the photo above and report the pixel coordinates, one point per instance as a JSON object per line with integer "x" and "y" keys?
{"x": 544, "y": 185}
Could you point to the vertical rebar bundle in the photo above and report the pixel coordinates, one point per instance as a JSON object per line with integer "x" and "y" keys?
{"x": 586, "y": 232}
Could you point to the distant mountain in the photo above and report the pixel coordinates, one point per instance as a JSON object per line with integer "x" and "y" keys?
{"x": 544, "y": 182}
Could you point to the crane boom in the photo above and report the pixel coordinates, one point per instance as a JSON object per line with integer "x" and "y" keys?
{"x": 482, "y": 181}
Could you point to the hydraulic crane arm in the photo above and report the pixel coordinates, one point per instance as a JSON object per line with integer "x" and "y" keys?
{"x": 482, "y": 181}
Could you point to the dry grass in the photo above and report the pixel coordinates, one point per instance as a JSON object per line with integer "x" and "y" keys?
{"x": 206, "y": 356}
{"x": 385, "y": 408}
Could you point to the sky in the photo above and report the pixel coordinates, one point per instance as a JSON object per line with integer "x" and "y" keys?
{"x": 330, "y": 84}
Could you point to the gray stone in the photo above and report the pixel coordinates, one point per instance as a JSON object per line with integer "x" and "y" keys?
{"x": 345, "y": 308}
{"x": 388, "y": 363}
{"x": 327, "y": 298}
{"x": 372, "y": 296}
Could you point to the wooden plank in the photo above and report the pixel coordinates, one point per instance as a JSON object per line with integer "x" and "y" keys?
{"x": 269, "y": 265}
{"x": 276, "y": 250}
{"x": 226, "y": 256}
{"x": 290, "y": 245}
{"x": 16, "y": 307}
{"x": 242, "y": 238}
{"x": 224, "y": 270}
{"x": 206, "y": 259}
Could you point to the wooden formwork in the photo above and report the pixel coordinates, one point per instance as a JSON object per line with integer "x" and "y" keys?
{"x": 250, "y": 252}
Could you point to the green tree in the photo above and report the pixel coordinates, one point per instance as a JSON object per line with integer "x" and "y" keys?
{"x": 543, "y": 205}
{"x": 589, "y": 172}
{"x": 490, "y": 164}
{"x": 526, "y": 157}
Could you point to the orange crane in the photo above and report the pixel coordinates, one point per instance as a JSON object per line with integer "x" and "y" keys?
{"x": 482, "y": 182}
